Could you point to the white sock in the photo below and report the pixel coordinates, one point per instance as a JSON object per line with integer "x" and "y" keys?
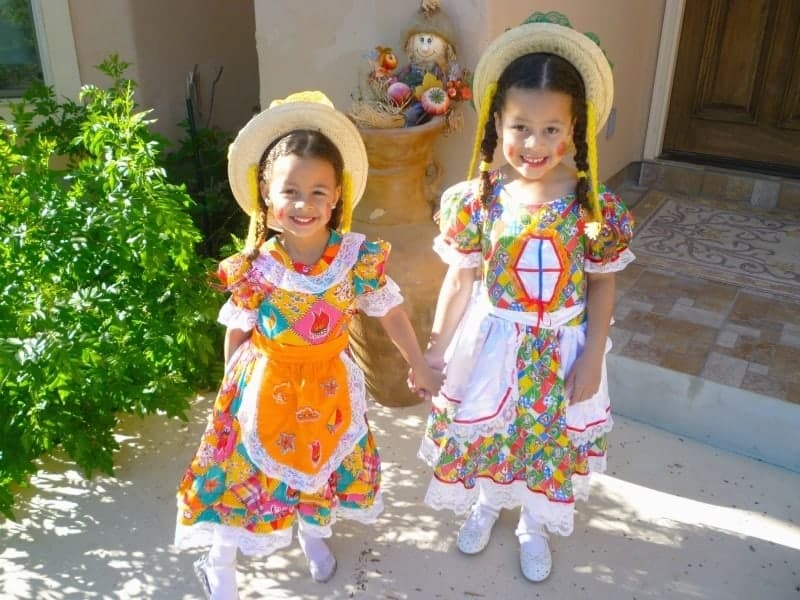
{"x": 531, "y": 532}
{"x": 485, "y": 506}
{"x": 221, "y": 572}
{"x": 319, "y": 556}
{"x": 222, "y": 556}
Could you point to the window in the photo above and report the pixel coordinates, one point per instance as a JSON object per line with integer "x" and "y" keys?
{"x": 20, "y": 65}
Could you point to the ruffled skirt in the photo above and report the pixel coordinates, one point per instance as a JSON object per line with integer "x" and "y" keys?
{"x": 225, "y": 497}
{"x": 502, "y": 424}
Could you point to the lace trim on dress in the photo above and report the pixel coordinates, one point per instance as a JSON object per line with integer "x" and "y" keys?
{"x": 558, "y": 517}
{"x": 206, "y": 533}
{"x": 362, "y": 515}
{"x": 581, "y": 482}
{"x": 453, "y": 257}
{"x": 266, "y": 268}
{"x": 366, "y": 516}
{"x": 591, "y": 433}
{"x": 236, "y": 317}
{"x": 301, "y": 481}
{"x": 429, "y": 452}
{"x": 469, "y": 432}
{"x": 382, "y": 300}
{"x": 624, "y": 258}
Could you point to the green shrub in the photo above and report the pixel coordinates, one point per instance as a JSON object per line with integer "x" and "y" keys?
{"x": 105, "y": 305}
{"x": 200, "y": 162}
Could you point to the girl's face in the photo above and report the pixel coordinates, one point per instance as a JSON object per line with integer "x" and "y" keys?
{"x": 535, "y": 129}
{"x": 301, "y": 195}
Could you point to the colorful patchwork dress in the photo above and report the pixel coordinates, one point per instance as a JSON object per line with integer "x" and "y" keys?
{"x": 288, "y": 437}
{"x": 501, "y": 425}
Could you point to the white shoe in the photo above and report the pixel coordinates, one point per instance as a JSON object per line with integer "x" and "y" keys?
{"x": 324, "y": 570}
{"x": 474, "y": 534}
{"x": 219, "y": 582}
{"x": 536, "y": 562}
{"x": 320, "y": 559}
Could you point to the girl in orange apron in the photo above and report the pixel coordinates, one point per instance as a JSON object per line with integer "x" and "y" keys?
{"x": 288, "y": 440}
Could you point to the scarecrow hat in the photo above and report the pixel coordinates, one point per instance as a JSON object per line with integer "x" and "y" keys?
{"x": 310, "y": 110}
{"x": 430, "y": 18}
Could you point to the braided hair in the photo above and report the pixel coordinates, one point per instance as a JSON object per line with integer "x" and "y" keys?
{"x": 540, "y": 71}
{"x": 304, "y": 143}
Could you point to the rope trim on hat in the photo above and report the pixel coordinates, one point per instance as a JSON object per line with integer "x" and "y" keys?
{"x": 483, "y": 118}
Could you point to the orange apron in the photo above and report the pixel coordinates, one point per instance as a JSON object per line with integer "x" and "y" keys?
{"x": 304, "y": 402}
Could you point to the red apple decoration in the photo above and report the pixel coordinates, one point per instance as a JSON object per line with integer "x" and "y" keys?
{"x": 399, "y": 93}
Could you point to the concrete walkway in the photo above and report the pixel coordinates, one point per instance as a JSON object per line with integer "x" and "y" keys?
{"x": 671, "y": 519}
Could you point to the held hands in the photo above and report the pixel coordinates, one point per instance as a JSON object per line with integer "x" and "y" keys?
{"x": 426, "y": 379}
{"x": 583, "y": 380}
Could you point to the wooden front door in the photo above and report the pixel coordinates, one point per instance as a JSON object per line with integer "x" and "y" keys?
{"x": 736, "y": 92}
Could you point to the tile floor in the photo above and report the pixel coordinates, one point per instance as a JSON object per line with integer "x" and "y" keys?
{"x": 732, "y": 334}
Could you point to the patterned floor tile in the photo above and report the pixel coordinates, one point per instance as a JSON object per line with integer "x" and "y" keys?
{"x": 740, "y": 329}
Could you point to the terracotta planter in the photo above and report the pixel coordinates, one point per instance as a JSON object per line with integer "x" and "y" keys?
{"x": 402, "y": 190}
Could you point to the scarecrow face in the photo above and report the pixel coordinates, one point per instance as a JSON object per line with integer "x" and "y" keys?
{"x": 427, "y": 48}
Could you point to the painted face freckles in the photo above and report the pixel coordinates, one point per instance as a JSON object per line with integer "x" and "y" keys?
{"x": 536, "y": 129}
{"x": 302, "y": 193}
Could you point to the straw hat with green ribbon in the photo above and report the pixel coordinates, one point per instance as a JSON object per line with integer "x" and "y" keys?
{"x": 550, "y": 33}
{"x": 310, "y": 110}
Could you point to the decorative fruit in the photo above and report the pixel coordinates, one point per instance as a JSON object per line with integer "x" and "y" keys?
{"x": 435, "y": 101}
{"x": 399, "y": 93}
{"x": 388, "y": 59}
{"x": 416, "y": 115}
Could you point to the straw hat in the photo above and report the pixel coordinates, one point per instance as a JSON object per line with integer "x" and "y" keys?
{"x": 550, "y": 33}
{"x": 303, "y": 110}
{"x": 541, "y": 34}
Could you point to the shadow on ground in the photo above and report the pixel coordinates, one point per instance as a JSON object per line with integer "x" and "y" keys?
{"x": 671, "y": 519}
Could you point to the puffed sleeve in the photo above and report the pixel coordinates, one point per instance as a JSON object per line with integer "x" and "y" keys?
{"x": 459, "y": 243}
{"x": 610, "y": 252}
{"x": 376, "y": 293}
{"x": 241, "y": 310}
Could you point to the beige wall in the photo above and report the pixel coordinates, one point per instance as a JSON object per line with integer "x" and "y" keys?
{"x": 164, "y": 40}
{"x": 319, "y": 45}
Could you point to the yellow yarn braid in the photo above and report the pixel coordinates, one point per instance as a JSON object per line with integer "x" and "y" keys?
{"x": 483, "y": 117}
{"x": 593, "y": 228}
{"x": 252, "y": 181}
{"x": 347, "y": 202}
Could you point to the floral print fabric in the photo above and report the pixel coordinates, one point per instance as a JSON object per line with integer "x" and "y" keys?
{"x": 224, "y": 494}
{"x": 533, "y": 261}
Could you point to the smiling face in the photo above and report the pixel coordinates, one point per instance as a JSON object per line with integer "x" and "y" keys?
{"x": 301, "y": 194}
{"x": 535, "y": 127}
{"x": 426, "y": 47}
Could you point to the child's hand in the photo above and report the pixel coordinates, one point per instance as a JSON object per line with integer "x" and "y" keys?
{"x": 435, "y": 361}
{"x": 583, "y": 380}
{"x": 424, "y": 381}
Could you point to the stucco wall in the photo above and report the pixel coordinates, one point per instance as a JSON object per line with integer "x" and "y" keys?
{"x": 164, "y": 40}
{"x": 314, "y": 45}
